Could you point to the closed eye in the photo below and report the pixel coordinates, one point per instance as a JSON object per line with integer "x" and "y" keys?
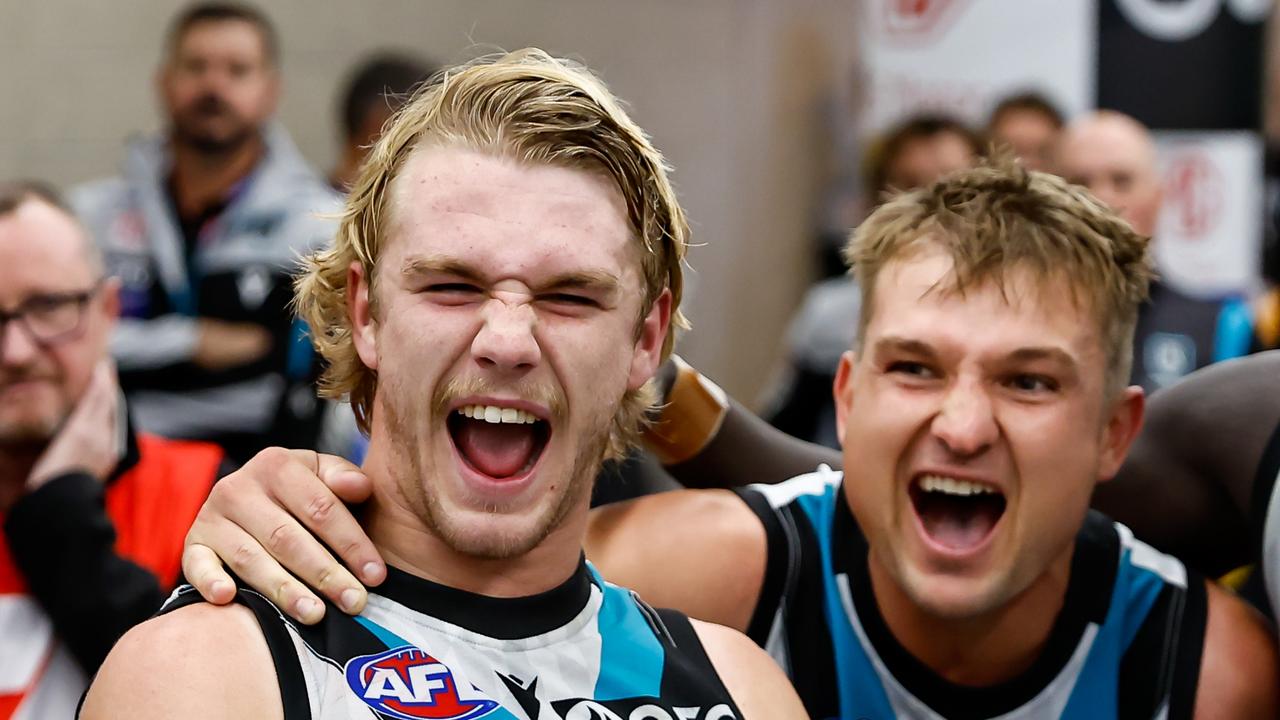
{"x": 569, "y": 300}
{"x": 453, "y": 293}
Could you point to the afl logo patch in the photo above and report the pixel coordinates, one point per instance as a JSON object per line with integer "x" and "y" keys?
{"x": 407, "y": 683}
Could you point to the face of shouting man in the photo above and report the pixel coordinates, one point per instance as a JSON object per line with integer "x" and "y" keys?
{"x": 505, "y": 322}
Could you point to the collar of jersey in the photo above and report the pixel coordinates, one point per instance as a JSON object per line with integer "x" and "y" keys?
{"x": 500, "y": 618}
{"x": 1088, "y": 595}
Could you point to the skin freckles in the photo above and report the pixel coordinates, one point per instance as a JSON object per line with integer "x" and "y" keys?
{"x": 506, "y": 283}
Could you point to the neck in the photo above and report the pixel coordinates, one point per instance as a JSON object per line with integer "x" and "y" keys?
{"x": 979, "y": 651}
{"x": 202, "y": 179}
{"x": 15, "y": 468}
{"x": 409, "y": 544}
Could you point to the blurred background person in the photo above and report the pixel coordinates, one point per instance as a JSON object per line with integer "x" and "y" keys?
{"x": 914, "y": 153}
{"x": 1114, "y": 156}
{"x": 1029, "y": 125}
{"x": 203, "y": 227}
{"x": 94, "y": 512}
{"x": 376, "y": 88}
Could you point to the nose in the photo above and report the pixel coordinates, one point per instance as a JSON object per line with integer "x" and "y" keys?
{"x": 506, "y": 339}
{"x": 965, "y": 424}
{"x": 17, "y": 348}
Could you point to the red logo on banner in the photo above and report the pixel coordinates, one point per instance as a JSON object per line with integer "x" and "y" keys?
{"x": 916, "y": 18}
{"x": 1194, "y": 193}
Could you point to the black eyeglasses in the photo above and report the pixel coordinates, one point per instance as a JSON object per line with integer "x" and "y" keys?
{"x": 50, "y": 319}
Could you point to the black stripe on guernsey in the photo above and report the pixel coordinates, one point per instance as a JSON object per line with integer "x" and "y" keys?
{"x": 777, "y": 566}
{"x": 500, "y": 618}
{"x": 1163, "y": 662}
{"x": 687, "y": 672}
{"x": 293, "y": 688}
{"x": 1186, "y": 663}
{"x": 1093, "y": 570}
{"x": 793, "y": 583}
{"x": 1263, "y": 485}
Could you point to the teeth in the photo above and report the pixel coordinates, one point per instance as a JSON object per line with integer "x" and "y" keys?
{"x": 952, "y": 486}
{"x": 494, "y": 414}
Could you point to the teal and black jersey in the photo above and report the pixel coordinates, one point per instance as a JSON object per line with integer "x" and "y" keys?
{"x": 586, "y": 650}
{"x": 1127, "y": 643}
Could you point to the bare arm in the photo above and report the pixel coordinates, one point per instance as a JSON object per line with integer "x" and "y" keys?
{"x": 1197, "y": 457}
{"x": 672, "y": 547}
{"x": 1240, "y": 667}
{"x": 752, "y": 678}
{"x": 200, "y": 661}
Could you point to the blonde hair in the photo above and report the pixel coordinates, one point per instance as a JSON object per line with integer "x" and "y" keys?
{"x": 999, "y": 216}
{"x": 523, "y": 105}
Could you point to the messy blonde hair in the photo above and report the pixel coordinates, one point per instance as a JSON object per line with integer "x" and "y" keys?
{"x": 998, "y": 217}
{"x": 523, "y": 105}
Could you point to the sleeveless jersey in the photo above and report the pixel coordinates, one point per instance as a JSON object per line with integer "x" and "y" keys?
{"x": 1266, "y": 509}
{"x": 158, "y": 488}
{"x": 1126, "y": 644}
{"x": 586, "y": 650}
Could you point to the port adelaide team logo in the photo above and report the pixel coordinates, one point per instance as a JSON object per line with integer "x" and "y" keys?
{"x": 409, "y": 684}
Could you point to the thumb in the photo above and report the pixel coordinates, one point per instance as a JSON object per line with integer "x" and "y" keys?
{"x": 346, "y": 480}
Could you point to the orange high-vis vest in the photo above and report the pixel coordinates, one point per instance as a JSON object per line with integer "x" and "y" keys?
{"x": 151, "y": 506}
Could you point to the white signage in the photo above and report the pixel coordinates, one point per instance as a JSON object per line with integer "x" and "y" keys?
{"x": 963, "y": 56}
{"x": 1208, "y": 238}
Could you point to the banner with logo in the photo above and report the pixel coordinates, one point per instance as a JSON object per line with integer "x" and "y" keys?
{"x": 962, "y": 56}
{"x": 1189, "y": 69}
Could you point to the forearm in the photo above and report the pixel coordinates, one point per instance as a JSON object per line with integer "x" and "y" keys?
{"x": 153, "y": 344}
{"x": 745, "y": 450}
{"x": 708, "y": 440}
{"x": 63, "y": 543}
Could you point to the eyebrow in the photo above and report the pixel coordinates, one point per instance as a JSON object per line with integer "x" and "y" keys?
{"x": 1026, "y": 354}
{"x": 595, "y": 281}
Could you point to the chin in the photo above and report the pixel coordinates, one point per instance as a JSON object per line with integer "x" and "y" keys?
{"x": 491, "y": 535}
{"x": 953, "y": 598}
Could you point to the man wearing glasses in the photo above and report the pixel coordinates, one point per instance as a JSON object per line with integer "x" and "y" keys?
{"x": 94, "y": 514}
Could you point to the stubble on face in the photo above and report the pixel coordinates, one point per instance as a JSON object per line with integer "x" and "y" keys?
{"x": 407, "y": 424}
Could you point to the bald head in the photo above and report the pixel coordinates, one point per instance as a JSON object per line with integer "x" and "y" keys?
{"x": 1115, "y": 157}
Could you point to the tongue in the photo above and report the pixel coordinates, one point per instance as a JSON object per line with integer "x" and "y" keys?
{"x": 958, "y": 523}
{"x": 496, "y": 449}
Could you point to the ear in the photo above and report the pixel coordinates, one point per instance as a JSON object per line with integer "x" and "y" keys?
{"x": 360, "y": 312}
{"x": 842, "y": 390}
{"x": 1123, "y": 424}
{"x": 647, "y": 354}
{"x": 109, "y": 296}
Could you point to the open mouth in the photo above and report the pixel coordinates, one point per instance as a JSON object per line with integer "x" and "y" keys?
{"x": 956, "y": 514}
{"x": 500, "y": 442}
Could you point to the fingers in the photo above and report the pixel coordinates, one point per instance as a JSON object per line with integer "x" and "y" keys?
{"x": 249, "y": 560}
{"x": 257, "y": 521}
{"x": 202, "y": 568}
{"x": 326, "y": 516}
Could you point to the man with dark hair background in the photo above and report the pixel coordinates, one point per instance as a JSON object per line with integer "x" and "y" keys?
{"x": 204, "y": 227}
{"x": 377, "y": 88}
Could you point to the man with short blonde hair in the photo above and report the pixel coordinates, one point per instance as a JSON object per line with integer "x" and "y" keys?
{"x": 503, "y": 286}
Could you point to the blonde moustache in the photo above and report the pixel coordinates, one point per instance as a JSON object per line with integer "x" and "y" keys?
{"x": 531, "y": 391}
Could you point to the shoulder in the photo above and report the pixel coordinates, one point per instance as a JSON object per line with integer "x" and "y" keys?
{"x": 826, "y": 323}
{"x": 673, "y": 546}
{"x": 756, "y": 683}
{"x": 200, "y": 661}
{"x": 1240, "y": 668}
